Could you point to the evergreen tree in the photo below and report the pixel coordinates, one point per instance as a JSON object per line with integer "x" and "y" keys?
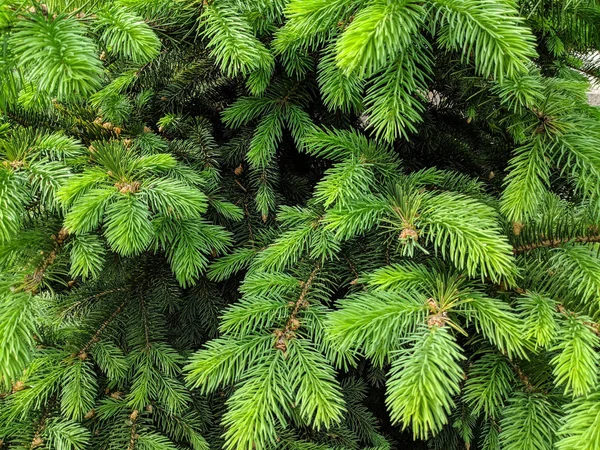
{"x": 299, "y": 224}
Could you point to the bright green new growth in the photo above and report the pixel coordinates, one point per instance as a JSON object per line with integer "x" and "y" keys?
{"x": 299, "y": 224}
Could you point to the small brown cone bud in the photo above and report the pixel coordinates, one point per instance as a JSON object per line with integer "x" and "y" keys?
{"x": 239, "y": 170}
{"x": 37, "y": 442}
{"x": 437, "y": 320}
{"x": 433, "y": 306}
{"x": 88, "y": 415}
{"x": 18, "y": 386}
{"x": 108, "y": 125}
{"x": 117, "y": 130}
{"x": 517, "y": 228}
{"x": 294, "y": 324}
{"x": 280, "y": 343}
{"x": 134, "y": 414}
{"x": 409, "y": 233}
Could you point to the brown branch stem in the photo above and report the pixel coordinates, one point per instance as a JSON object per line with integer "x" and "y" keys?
{"x": 555, "y": 243}
{"x": 96, "y": 337}
{"x": 293, "y": 324}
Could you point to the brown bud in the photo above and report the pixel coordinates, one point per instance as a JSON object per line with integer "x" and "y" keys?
{"x": 134, "y": 414}
{"x": 239, "y": 170}
{"x": 83, "y": 356}
{"x": 117, "y": 130}
{"x": 37, "y": 442}
{"x": 437, "y": 320}
{"x": 18, "y": 386}
{"x": 128, "y": 188}
{"x": 433, "y": 306}
{"x": 294, "y": 324}
{"x": 88, "y": 415}
{"x": 281, "y": 345}
{"x": 517, "y": 228}
{"x": 102, "y": 56}
{"x": 409, "y": 233}
{"x": 108, "y": 125}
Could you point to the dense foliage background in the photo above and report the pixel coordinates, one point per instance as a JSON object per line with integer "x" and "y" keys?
{"x": 299, "y": 224}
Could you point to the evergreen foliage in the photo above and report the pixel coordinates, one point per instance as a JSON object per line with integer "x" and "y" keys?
{"x": 299, "y": 224}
